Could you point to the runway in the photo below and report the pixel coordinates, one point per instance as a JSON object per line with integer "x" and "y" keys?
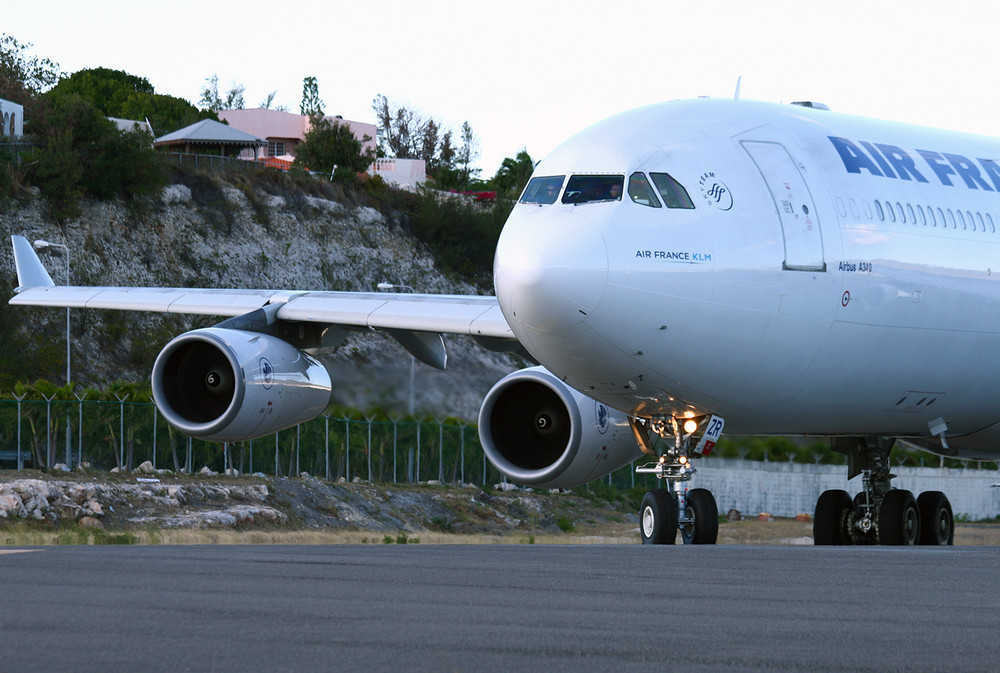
{"x": 500, "y": 608}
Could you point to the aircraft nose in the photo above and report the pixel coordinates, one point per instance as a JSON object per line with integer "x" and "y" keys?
{"x": 550, "y": 272}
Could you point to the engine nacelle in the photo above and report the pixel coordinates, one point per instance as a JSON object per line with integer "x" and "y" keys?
{"x": 232, "y": 385}
{"x": 538, "y": 431}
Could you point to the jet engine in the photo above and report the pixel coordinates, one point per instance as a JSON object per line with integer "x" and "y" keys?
{"x": 230, "y": 385}
{"x": 538, "y": 431}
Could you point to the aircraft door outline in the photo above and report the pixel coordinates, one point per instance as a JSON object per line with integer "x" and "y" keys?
{"x": 793, "y": 203}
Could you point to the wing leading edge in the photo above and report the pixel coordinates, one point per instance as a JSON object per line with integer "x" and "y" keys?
{"x": 410, "y": 316}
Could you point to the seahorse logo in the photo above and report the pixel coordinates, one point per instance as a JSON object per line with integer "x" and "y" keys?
{"x": 603, "y": 417}
{"x": 715, "y": 191}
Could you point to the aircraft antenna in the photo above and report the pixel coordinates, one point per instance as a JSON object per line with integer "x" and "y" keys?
{"x": 736, "y": 96}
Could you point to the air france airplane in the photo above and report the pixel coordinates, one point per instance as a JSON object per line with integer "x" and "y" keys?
{"x": 674, "y": 270}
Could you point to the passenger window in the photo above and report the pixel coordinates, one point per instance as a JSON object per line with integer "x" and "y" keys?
{"x": 878, "y": 209}
{"x": 899, "y": 212}
{"x": 589, "y": 188}
{"x": 641, "y": 192}
{"x": 961, "y": 218}
{"x": 941, "y": 219}
{"x": 951, "y": 219}
{"x": 673, "y": 193}
{"x": 543, "y": 190}
{"x": 923, "y": 217}
{"x": 909, "y": 211}
{"x": 972, "y": 222}
{"x": 989, "y": 221}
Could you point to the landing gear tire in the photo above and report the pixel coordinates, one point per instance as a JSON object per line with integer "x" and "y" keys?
{"x": 658, "y": 517}
{"x": 898, "y": 519}
{"x": 703, "y": 513}
{"x": 832, "y": 518}
{"x": 937, "y": 524}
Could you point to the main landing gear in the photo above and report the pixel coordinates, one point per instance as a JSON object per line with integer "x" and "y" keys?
{"x": 879, "y": 514}
{"x": 664, "y": 511}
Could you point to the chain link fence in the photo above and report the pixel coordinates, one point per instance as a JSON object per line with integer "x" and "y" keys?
{"x": 123, "y": 434}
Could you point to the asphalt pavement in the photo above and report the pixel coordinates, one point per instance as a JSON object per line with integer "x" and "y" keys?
{"x": 499, "y": 608}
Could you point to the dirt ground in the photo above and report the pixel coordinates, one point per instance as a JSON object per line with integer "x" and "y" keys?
{"x": 179, "y": 509}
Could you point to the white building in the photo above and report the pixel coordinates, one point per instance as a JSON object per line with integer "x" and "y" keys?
{"x": 11, "y": 119}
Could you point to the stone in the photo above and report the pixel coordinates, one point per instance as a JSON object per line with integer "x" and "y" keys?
{"x": 146, "y": 468}
{"x": 90, "y": 522}
{"x": 11, "y": 506}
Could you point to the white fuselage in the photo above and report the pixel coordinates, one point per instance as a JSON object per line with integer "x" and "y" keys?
{"x": 834, "y": 277}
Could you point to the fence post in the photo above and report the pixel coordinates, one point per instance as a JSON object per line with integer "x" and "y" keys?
{"x": 369, "y": 420}
{"x": 48, "y": 429}
{"x": 347, "y": 447}
{"x": 395, "y": 434}
{"x": 79, "y": 443}
{"x": 154, "y": 438}
{"x": 326, "y": 445}
{"x": 121, "y": 432}
{"x": 20, "y": 460}
{"x": 461, "y": 444}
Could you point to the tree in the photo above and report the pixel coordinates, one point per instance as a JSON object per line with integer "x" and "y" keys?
{"x": 329, "y": 144}
{"x": 23, "y": 76}
{"x": 311, "y": 105}
{"x": 400, "y": 129}
{"x": 86, "y": 155}
{"x": 469, "y": 152}
{"x": 513, "y": 175}
{"x": 269, "y": 101}
{"x": 405, "y": 133}
{"x": 109, "y": 90}
{"x": 119, "y": 94}
{"x": 165, "y": 113}
{"x": 212, "y": 100}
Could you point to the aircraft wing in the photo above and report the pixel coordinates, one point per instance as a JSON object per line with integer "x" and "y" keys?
{"x": 405, "y": 316}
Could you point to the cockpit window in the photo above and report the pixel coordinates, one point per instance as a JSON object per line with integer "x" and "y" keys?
{"x": 543, "y": 190}
{"x": 673, "y": 193}
{"x": 640, "y": 191}
{"x": 588, "y": 188}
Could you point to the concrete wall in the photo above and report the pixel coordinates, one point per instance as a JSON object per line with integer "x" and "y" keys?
{"x": 405, "y": 172}
{"x": 787, "y": 489}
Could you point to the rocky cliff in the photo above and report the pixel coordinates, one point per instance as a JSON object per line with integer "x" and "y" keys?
{"x": 249, "y": 240}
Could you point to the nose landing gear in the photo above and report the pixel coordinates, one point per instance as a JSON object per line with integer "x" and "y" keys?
{"x": 664, "y": 511}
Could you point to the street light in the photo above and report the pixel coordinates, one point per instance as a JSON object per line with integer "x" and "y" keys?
{"x": 41, "y": 245}
{"x": 413, "y": 362}
{"x": 390, "y": 286}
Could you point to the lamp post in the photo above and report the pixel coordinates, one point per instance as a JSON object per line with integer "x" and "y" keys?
{"x": 41, "y": 245}
{"x": 413, "y": 363}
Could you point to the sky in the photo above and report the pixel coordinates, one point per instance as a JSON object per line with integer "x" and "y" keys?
{"x": 529, "y": 74}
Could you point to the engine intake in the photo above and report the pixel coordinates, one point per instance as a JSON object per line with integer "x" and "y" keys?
{"x": 232, "y": 385}
{"x": 538, "y": 431}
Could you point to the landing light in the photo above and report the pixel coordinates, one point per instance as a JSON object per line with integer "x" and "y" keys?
{"x": 690, "y": 426}
{"x": 682, "y": 460}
